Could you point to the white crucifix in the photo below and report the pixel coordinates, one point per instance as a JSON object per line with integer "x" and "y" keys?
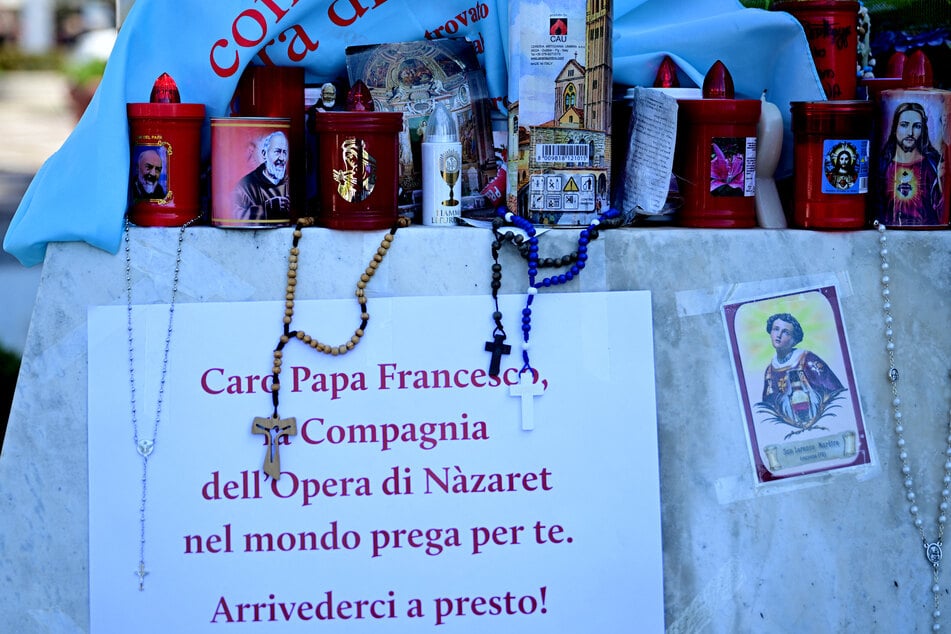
{"x": 527, "y": 390}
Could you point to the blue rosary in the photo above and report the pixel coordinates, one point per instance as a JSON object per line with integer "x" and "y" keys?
{"x": 529, "y": 248}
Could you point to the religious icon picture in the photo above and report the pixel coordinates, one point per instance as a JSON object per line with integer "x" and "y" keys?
{"x": 150, "y": 172}
{"x": 912, "y": 178}
{"x": 796, "y": 384}
{"x": 845, "y": 167}
{"x": 250, "y": 176}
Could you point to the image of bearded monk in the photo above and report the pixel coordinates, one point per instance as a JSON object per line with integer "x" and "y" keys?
{"x": 149, "y": 168}
{"x": 264, "y": 193}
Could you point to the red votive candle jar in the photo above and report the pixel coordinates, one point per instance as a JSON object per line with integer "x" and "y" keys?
{"x": 165, "y": 148}
{"x": 358, "y": 151}
{"x": 831, "y": 26}
{"x": 716, "y": 155}
{"x": 831, "y": 163}
{"x": 278, "y": 92}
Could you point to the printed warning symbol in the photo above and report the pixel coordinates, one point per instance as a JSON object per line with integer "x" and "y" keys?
{"x": 587, "y": 183}
{"x": 571, "y": 185}
{"x": 537, "y": 183}
{"x": 553, "y": 183}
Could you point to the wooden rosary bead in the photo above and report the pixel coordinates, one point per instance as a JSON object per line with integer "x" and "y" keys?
{"x": 360, "y": 293}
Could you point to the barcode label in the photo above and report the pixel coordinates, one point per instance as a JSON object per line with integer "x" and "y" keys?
{"x": 561, "y": 153}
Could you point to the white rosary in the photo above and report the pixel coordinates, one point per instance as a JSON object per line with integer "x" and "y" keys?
{"x": 932, "y": 550}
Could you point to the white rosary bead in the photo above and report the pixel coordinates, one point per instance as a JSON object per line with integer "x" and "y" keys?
{"x": 884, "y": 266}
{"x": 887, "y": 305}
{"x": 935, "y": 588}
{"x": 889, "y": 332}
{"x": 886, "y": 279}
{"x": 901, "y": 441}
{"x": 913, "y": 509}
{"x": 890, "y": 346}
{"x": 947, "y": 479}
{"x": 897, "y": 415}
{"x": 909, "y": 483}
{"x": 942, "y": 519}
{"x": 910, "y": 496}
{"x": 886, "y": 292}
{"x": 936, "y": 613}
{"x": 903, "y": 455}
{"x": 899, "y": 429}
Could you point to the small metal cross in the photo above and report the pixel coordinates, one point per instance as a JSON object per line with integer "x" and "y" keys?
{"x": 140, "y": 573}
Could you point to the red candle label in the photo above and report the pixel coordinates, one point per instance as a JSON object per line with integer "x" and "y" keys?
{"x": 733, "y": 166}
{"x": 250, "y": 180}
{"x": 911, "y": 177}
{"x": 151, "y": 162}
{"x": 845, "y": 168}
{"x": 354, "y": 171}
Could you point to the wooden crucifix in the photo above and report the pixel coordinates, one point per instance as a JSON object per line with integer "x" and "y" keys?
{"x": 274, "y": 430}
{"x": 497, "y": 347}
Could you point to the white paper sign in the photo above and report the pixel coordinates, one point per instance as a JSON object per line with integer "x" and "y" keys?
{"x": 410, "y": 500}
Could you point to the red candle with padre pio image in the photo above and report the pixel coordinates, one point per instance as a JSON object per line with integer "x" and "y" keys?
{"x": 165, "y": 148}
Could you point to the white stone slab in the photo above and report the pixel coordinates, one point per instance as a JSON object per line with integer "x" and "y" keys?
{"x": 837, "y": 556}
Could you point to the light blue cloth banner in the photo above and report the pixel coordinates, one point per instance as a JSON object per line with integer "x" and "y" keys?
{"x": 81, "y": 193}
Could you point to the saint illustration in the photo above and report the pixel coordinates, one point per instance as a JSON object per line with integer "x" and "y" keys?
{"x": 799, "y": 388}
